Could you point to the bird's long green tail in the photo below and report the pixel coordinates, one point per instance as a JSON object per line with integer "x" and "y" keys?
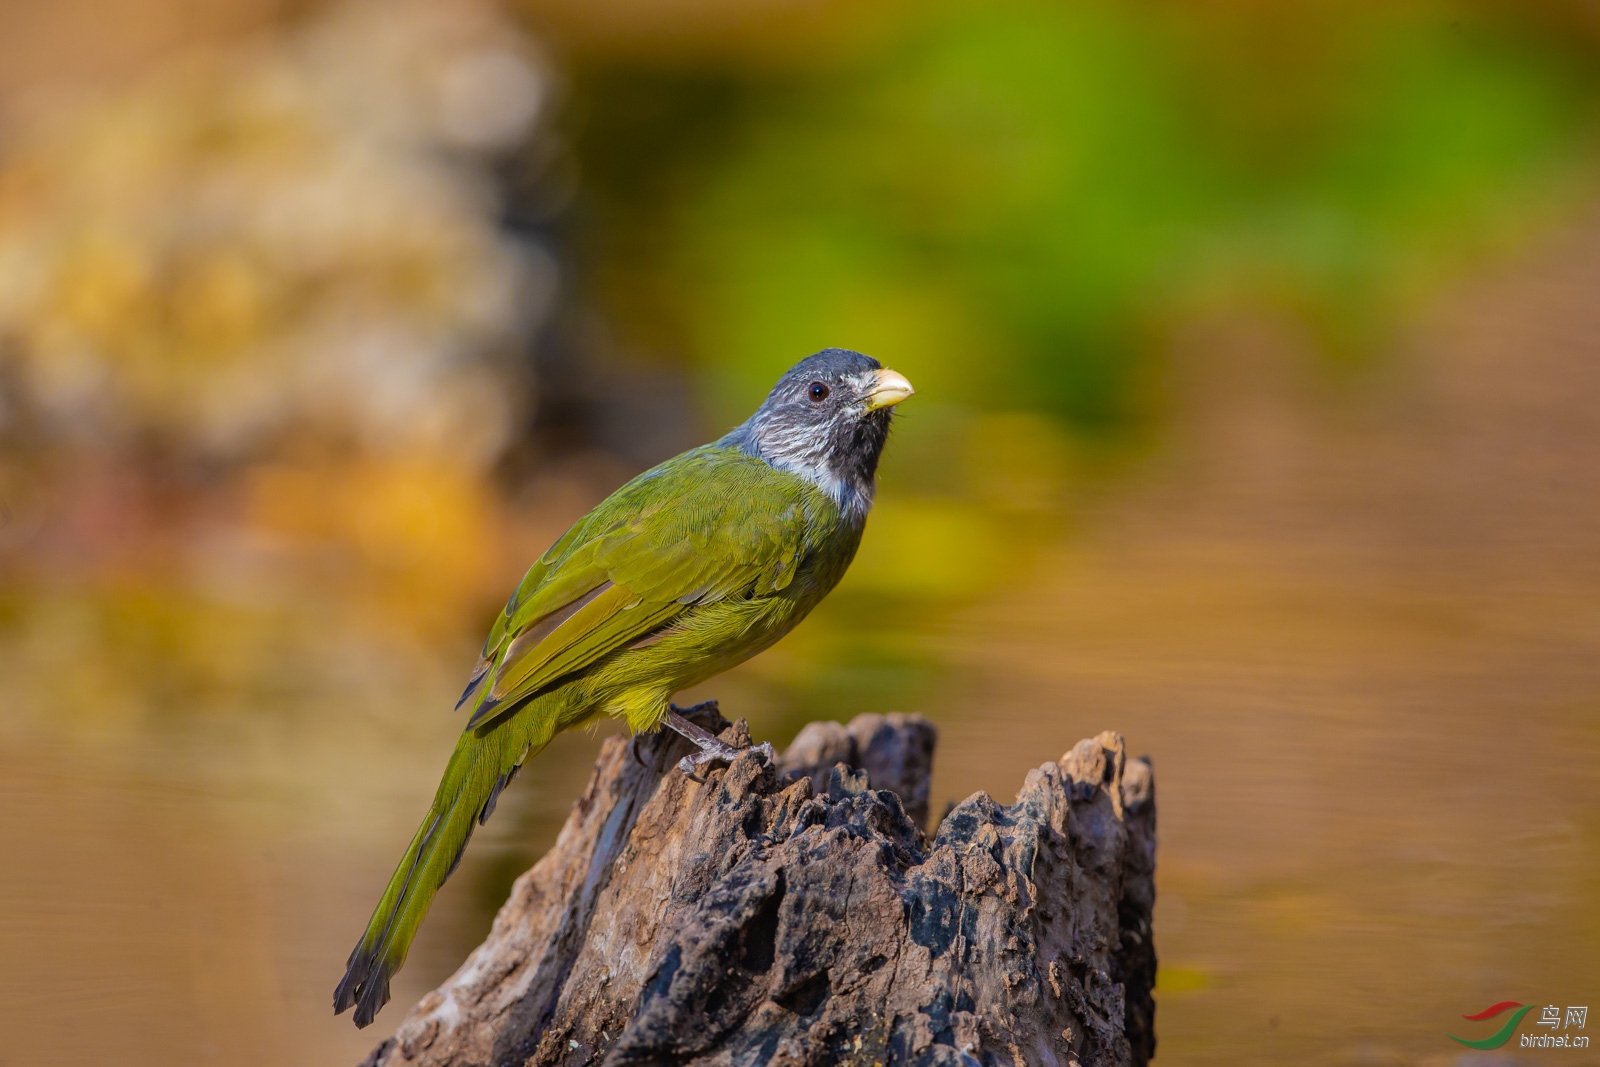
{"x": 480, "y": 767}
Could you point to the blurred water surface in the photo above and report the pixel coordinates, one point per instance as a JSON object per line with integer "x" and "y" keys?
{"x": 1258, "y": 358}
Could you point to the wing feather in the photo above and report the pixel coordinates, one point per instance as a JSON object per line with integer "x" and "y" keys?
{"x": 708, "y": 525}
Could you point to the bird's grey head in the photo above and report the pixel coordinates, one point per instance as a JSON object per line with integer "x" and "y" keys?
{"x": 827, "y": 420}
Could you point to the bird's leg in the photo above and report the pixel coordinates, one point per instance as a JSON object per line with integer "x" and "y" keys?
{"x": 712, "y": 748}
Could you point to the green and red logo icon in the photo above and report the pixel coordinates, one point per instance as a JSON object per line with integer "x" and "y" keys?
{"x": 1502, "y": 1035}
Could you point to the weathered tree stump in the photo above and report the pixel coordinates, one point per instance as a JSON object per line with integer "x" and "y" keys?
{"x": 796, "y": 914}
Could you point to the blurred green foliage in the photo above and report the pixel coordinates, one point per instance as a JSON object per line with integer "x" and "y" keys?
{"x": 264, "y": 310}
{"x": 299, "y": 266}
{"x": 1010, "y": 201}
{"x": 1014, "y": 203}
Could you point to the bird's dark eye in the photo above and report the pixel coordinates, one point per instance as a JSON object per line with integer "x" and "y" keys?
{"x": 818, "y": 392}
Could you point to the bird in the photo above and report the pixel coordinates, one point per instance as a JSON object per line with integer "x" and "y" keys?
{"x": 687, "y": 570}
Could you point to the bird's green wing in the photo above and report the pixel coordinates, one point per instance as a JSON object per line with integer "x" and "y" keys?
{"x": 710, "y": 524}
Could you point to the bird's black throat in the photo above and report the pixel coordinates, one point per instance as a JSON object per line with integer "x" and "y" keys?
{"x": 856, "y": 447}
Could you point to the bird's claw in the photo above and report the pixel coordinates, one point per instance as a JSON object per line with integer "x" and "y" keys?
{"x": 718, "y": 752}
{"x": 712, "y": 749}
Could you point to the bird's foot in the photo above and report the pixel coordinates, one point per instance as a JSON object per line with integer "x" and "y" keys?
{"x": 712, "y": 748}
{"x": 720, "y": 754}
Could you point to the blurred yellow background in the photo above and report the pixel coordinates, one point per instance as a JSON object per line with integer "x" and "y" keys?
{"x": 1258, "y": 358}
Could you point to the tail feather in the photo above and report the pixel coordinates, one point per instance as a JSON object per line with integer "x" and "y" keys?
{"x": 477, "y": 772}
{"x": 494, "y": 794}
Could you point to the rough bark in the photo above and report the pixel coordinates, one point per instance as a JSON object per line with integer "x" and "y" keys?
{"x": 797, "y": 914}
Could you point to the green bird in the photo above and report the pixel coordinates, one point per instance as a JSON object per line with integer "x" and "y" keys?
{"x": 692, "y": 567}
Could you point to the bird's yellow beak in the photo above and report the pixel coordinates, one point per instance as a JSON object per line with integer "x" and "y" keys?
{"x": 890, "y": 388}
